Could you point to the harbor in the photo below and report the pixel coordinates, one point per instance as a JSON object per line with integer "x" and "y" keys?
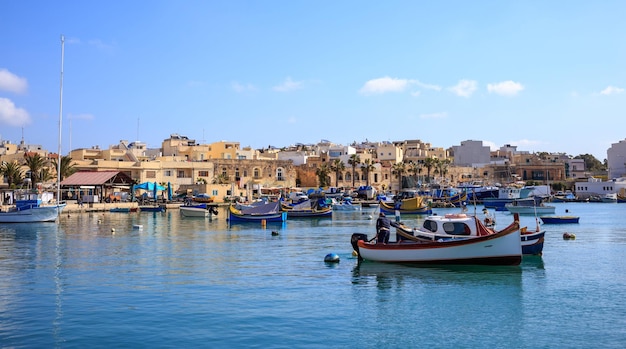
{"x": 94, "y": 279}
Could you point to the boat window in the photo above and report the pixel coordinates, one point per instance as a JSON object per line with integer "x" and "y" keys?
{"x": 456, "y": 228}
{"x": 430, "y": 225}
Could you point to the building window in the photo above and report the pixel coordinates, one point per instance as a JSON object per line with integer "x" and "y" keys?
{"x": 181, "y": 174}
{"x": 203, "y": 173}
{"x": 224, "y": 172}
{"x": 279, "y": 174}
{"x": 245, "y": 173}
{"x": 167, "y": 173}
{"x": 236, "y": 172}
{"x": 257, "y": 173}
{"x": 150, "y": 174}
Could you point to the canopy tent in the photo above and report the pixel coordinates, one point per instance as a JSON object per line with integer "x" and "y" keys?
{"x": 150, "y": 187}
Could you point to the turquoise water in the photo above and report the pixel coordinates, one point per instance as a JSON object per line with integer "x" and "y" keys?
{"x": 184, "y": 282}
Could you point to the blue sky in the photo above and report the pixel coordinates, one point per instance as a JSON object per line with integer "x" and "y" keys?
{"x": 542, "y": 75}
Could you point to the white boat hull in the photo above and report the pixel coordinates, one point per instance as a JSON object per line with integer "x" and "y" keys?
{"x": 32, "y": 215}
{"x": 194, "y": 212}
{"x": 500, "y": 248}
{"x": 531, "y": 210}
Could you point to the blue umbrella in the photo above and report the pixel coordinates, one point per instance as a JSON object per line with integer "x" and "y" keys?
{"x": 169, "y": 191}
{"x": 154, "y": 191}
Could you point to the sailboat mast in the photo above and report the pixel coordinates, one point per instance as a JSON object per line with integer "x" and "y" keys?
{"x": 60, "y": 125}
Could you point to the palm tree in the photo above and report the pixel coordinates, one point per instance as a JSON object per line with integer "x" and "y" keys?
{"x": 322, "y": 175}
{"x": 337, "y": 166}
{"x": 354, "y": 161}
{"x": 67, "y": 167}
{"x": 399, "y": 169}
{"x": 222, "y": 178}
{"x": 367, "y": 167}
{"x": 13, "y": 173}
{"x": 414, "y": 168}
{"x": 35, "y": 163}
{"x": 443, "y": 167}
{"x": 429, "y": 163}
{"x": 45, "y": 174}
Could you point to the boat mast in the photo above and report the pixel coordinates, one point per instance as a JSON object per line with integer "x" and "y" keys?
{"x": 60, "y": 124}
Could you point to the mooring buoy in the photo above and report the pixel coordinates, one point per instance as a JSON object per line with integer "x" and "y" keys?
{"x": 569, "y": 236}
{"x": 331, "y": 258}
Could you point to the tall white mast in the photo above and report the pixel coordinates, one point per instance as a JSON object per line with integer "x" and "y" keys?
{"x": 60, "y": 125}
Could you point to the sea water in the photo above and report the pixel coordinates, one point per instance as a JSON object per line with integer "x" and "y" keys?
{"x": 160, "y": 280}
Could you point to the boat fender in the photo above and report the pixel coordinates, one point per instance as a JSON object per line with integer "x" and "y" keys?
{"x": 331, "y": 258}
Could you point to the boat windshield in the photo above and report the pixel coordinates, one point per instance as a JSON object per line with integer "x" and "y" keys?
{"x": 456, "y": 228}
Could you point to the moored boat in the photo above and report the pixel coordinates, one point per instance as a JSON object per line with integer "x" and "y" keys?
{"x": 307, "y": 209}
{"x": 486, "y": 247}
{"x": 559, "y": 219}
{"x": 201, "y": 210}
{"x": 407, "y": 202}
{"x": 269, "y": 213}
{"x": 524, "y": 209}
{"x": 151, "y": 208}
{"x": 30, "y": 208}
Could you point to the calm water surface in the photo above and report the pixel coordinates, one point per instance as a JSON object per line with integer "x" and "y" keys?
{"x": 184, "y": 282}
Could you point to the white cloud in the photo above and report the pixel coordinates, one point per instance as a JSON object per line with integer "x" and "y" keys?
{"x": 388, "y": 84}
{"x": 464, "y": 88}
{"x": 505, "y": 88}
{"x": 612, "y": 90}
{"x": 425, "y": 86}
{"x": 242, "y": 87}
{"x": 383, "y": 85}
{"x": 11, "y": 82}
{"x": 11, "y": 115}
{"x": 441, "y": 115}
{"x": 416, "y": 93}
{"x": 288, "y": 85}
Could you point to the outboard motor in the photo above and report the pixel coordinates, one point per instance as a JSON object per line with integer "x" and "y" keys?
{"x": 355, "y": 241}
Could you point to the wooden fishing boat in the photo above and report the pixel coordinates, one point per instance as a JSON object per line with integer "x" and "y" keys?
{"x": 307, "y": 209}
{"x": 559, "y": 219}
{"x": 488, "y": 248}
{"x": 31, "y": 213}
{"x": 412, "y": 205}
{"x": 462, "y": 226}
{"x": 269, "y": 213}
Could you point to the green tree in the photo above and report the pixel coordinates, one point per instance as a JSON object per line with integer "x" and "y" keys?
{"x": 12, "y": 171}
{"x": 222, "y": 178}
{"x": 337, "y": 166}
{"x": 354, "y": 161}
{"x": 367, "y": 167}
{"x": 429, "y": 163}
{"x": 45, "y": 175}
{"x": 67, "y": 166}
{"x": 591, "y": 163}
{"x": 322, "y": 175}
{"x": 442, "y": 166}
{"x": 415, "y": 169}
{"x": 35, "y": 163}
{"x": 399, "y": 169}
